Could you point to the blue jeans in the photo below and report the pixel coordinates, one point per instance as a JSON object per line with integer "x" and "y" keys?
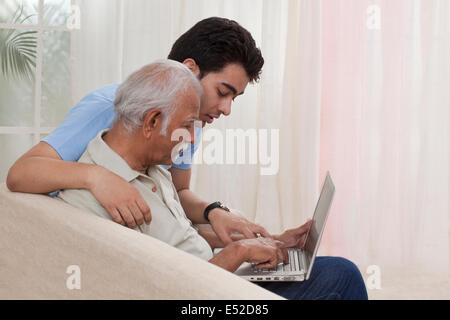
{"x": 331, "y": 278}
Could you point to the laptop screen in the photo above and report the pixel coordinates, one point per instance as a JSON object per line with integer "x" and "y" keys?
{"x": 318, "y": 223}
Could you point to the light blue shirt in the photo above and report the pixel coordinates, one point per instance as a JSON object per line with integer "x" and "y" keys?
{"x": 94, "y": 113}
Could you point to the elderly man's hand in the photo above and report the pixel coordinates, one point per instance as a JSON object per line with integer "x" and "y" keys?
{"x": 225, "y": 223}
{"x": 123, "y": 202}
{"x": 265, "y": 252}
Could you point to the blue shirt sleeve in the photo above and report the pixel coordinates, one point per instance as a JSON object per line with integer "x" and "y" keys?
{"x": 186, "y": 159}
{"x": 92, "y": 114}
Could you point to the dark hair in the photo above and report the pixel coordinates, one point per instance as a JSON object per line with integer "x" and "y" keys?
{"x": 215, "y": 42}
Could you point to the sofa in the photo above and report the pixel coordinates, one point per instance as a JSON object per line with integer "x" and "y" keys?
{"x": 51, "y": 250}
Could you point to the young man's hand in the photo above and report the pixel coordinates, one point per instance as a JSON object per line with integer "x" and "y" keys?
{"x": 123, "y": 202}
{"x": 225, "y": 223}
{"x": 294, "y": 237}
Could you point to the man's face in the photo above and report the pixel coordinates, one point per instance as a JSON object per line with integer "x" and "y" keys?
{"x": 219, "y": 91}
{"x": 182, "y": 121}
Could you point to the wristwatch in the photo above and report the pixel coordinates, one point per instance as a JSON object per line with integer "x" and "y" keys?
{"x": 212, "y": 206}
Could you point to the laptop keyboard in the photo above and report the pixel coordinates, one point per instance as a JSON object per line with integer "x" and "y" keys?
{"x": 295, "y": 264}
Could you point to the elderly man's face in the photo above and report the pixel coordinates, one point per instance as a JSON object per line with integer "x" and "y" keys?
{"x": 181, "y": 122}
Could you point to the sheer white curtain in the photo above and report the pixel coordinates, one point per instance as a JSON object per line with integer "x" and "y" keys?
{"x": 361, "y": 97}
{"x": 384, "y": 131}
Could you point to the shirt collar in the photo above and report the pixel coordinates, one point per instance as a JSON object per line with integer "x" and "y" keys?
{"x": 106, "y": 157}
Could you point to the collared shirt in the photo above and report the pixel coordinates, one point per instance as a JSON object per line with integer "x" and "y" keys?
{"x": 169, "y": 222}
{"x": 95, "y": 112}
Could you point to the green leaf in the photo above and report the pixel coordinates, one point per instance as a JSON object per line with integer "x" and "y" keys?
{"x": 18, "y": 49}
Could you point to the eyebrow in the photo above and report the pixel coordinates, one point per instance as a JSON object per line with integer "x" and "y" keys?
{"x": 229, "y": 86}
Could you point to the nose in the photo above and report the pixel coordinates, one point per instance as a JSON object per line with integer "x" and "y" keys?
{"x": 225, "y": 108}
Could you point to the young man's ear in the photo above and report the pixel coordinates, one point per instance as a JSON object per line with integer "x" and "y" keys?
{"x": 152, "y": 121}
{"x": 192, "y": 65}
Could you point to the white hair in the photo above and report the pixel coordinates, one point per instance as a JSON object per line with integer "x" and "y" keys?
{"x": 156, "y": 85}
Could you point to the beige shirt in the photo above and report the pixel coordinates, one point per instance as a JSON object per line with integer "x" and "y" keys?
{"x": 169, "y": 222}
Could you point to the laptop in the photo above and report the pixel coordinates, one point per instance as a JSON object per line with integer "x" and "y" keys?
{"x": 301, "y": 261}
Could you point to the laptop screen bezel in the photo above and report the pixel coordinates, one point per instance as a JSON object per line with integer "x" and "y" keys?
{"x": 328, "y": 183}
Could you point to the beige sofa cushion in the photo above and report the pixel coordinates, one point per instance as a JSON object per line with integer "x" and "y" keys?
{"x": 40, "y": 237}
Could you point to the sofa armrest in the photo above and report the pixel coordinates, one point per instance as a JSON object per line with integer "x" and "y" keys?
{"x": 40, "y": 237}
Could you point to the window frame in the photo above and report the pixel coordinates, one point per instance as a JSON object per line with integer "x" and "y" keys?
{"x": 36, "y": 130}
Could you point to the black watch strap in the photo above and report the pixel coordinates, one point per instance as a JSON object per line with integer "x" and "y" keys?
{"x": 212, "y": 206}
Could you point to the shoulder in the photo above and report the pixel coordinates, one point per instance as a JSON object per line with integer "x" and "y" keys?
{"x": 101, "y": 97}
{"x": 83, "y": 198}
{"x": 92, "y": 114}
{"x": 107, "y": 92}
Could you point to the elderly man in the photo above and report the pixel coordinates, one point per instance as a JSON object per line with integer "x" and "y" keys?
{"x": 151, "y": 105}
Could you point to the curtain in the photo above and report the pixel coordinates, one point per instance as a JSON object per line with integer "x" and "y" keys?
{"x": 356, "y": 87}
{"x": 384, "y": 131}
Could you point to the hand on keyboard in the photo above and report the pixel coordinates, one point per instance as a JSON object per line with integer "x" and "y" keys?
{"x": 265, "y": 252}
{"x": 294, "y": 237}
{"x": 294, "y": 264}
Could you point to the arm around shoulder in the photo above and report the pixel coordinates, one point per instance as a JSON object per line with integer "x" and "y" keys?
{"x": 41, "y": 170}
